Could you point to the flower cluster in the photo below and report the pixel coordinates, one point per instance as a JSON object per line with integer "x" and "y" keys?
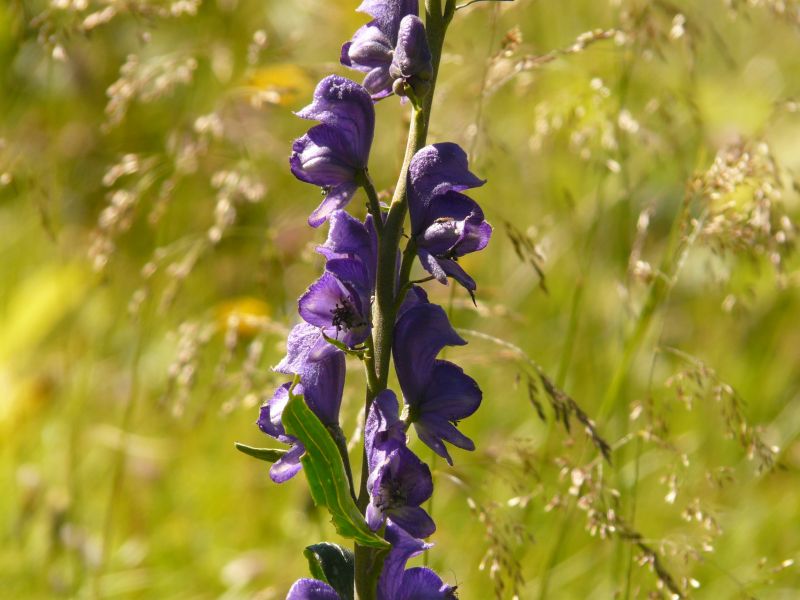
{"x": 339, "y": 309}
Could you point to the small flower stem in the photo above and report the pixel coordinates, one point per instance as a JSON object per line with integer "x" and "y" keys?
{"x": 374, "y": 205}
{"x": 368, "y": 563}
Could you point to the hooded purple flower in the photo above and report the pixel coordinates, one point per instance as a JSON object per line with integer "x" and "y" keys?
{"x": 444, "y": 223}
{"x": 420, "y": 583}
{"x": 334, "y": 154}
{"x": 321, "y": 368}
{"x": 321, "y": 385}
{"x": 339, "y": 301}
{"x": 438, "y": 393}
{"x": 377, "y": 44}
{"x": 399, "y": 482}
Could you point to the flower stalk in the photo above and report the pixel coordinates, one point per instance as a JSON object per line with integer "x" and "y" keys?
{"x": 366, "y": 305}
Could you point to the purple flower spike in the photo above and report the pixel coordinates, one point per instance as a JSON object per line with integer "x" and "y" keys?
{"x": 411, "y": 64}
{"x": 373, "y": 45}
{"x": 311, "y": 589}
{"x": 334, "y": 154}
{"x": 339, "y": 301}
{"x": 438, "y": 392}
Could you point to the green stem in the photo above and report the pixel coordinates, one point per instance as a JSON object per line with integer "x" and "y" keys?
{"x": 374, "y": 205}
{"x": 368, "y": 563}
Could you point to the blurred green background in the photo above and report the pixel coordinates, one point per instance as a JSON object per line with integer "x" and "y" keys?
{"x": 642, "y": 160}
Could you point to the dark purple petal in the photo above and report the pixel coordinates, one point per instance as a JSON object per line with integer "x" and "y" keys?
{"x": 433, "y": 430}
{"x": 432, "y": 265}
{"x": 414, "y": 520}
{"x": 336, "y": 198}
{"x": 435, "y": 170}
{"x": 312, "y": 589}
{"x": 451, "y": 393}
{"x": 420, "y": 583}
{"x": 412, "y": 56}
{"x": 419, "y": 335}
{"x": 323, "y": 385}
{"x": 454, "y": 270}
{"x": 288, "y": 465}
{"x": 404, "y": 547}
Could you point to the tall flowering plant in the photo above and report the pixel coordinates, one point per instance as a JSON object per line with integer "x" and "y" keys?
{"x": 366, "y": 305}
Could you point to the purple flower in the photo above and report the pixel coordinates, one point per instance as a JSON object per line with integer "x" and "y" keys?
{"x": 420, "y": 583}
{"x": 399, "y": 482}
{"x": 334, "y": 154}
{"x": 321, "y": 385}
{"x": 311, "y": 589}
{"x": 411, "y": 66}
{"x": 444, "y": 223}
{"x": 372, "y": 48}
{"x": 321, "y": 368}
{"x": 339, "y": 301}
{"x": 438, "y": 393}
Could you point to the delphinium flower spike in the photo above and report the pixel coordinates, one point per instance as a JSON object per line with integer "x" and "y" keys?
{"x": 364, "y": 282}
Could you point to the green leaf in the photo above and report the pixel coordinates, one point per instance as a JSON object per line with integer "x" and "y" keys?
{"x": 268, "y": 454}
{"x": 334, "y": 565}
{"x": 325, "y": 472}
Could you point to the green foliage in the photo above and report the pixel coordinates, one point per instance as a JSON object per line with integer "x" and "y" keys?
{"x": 270, "y": 455}
{"x": 332, "y": 564}
{"x": 325, "y": 472}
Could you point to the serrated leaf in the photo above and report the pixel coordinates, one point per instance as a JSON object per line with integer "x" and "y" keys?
{"x": 268, "y": 454}
{"x": 325, "y": 472}
{"x": 334, "y": 565}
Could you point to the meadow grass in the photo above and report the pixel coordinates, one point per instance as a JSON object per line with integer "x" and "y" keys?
{"x": 635, "y": 333}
